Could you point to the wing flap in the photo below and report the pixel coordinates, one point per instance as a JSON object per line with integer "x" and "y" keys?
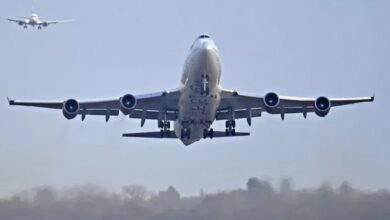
{"x": 224, "y": 115}
{"x": 111, "y": 112}
{"x": 153, "y": 115}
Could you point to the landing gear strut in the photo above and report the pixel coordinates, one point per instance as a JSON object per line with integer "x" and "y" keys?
{"x": 25, "y": 26}
{"x": 230, "y": 128}
{"x": 208, "y": 133}
{"x": 165, "y": 126}
{"x": 39, "y": 27}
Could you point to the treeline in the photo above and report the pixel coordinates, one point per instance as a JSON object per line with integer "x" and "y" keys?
{"x": 259, "y": 200}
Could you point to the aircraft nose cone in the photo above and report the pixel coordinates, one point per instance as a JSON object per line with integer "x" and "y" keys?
{"x": 206, "y": 45}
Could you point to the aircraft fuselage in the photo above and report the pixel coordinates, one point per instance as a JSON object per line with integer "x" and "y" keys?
{"x": 200, "y": 91}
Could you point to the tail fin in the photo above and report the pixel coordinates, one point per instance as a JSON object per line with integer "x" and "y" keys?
{"x": 32, "y": 7}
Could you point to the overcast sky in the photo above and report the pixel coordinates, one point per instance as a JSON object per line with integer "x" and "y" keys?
{"x": 298, "y": 48}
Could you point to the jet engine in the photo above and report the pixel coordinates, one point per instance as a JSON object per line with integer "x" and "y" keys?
{"x": 271, "y": 101}
{"x": 322, "y": 106}
{"x": 128, "y": 103}
{"x": 20, "y": 23}
{"x": 44, "y": 24}
{"x": 70, "y": 108}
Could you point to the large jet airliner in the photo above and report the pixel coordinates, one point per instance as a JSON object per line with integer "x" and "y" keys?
{"x": 34, "y": 20}
{"x": 197, "y": 103}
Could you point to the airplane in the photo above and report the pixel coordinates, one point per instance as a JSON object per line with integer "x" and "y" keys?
{"x": 35, "y": 20}
{"x": 196, "y": 103}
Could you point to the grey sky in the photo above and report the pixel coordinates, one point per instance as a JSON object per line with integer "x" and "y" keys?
{"x": 298, "y": 48}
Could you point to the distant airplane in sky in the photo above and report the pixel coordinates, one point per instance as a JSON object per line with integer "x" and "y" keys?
{"x": 197, "y": 103}
{"x": 35, "y": 20}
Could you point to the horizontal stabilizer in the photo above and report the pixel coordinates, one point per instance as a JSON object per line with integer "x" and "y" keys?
{"x": 153, "y": 134}
{"x": 219, "y": 134}
{"x": 171, "y": 134}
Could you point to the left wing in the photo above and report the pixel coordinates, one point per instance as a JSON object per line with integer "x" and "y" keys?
{"x": 156, "y": 106}
{"x": 19, "y": 21}
{"x": 234, "y": 105}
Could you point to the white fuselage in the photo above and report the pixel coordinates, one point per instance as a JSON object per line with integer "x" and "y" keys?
{"x": 200, "y": 91}
{"x": 34, "y": 20}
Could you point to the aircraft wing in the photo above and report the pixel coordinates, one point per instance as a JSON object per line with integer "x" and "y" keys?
{"x": 237, "y": 105}
{"x": 147, "y": 106}
{"x": 16, "y": 20}
{"x": 56, "y": 22}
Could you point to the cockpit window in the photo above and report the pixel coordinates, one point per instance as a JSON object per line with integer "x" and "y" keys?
{"x": 203, "y": 36}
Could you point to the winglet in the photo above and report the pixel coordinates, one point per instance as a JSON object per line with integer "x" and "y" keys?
{"x": 10, "y": 102}
{"x": 373, "y": 97}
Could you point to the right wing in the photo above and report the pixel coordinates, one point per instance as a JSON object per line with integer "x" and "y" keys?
{"x": 235, "y": 105}
{"x": 56, "y": 22}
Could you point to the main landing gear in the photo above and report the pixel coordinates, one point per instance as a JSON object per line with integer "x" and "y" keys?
{"x": 230, "y": 128}
{"x": 208, "y": 133}
{"x": 164, "y": 126}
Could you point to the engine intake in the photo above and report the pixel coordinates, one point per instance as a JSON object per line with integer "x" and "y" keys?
{"x": 70, "y": 108}
{"x": 271, "y": 101}
{"x": 322, "y": 106}
{"x": 128, "y": 103}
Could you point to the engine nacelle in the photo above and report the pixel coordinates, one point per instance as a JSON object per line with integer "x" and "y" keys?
{"x": 128, "y": 103}
{"x": 44, "y": 24}
{"x": 20, "y": 23}
{"x": 271, "y": 101}
{"x": 322, "y": 106}
{"x": 70, "y": 109}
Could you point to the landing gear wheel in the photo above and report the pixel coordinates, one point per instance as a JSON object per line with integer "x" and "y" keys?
{"x": 208, "y": 133}
{"x": 233, "y": 132}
